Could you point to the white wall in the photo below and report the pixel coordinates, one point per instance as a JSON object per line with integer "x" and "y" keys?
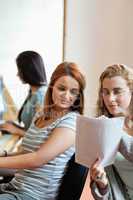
{"x": 29, "y": 25}
{"x": 98, "y": 33}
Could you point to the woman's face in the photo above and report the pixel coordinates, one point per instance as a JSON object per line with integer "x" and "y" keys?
{"x": 116, "y": 95}
{"x": 65, "y": 92}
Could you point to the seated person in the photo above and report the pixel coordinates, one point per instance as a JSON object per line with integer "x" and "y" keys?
{"x": 115, "y": 181}
{"x": 49, "y": 143}
{"x": 31, "y": 71}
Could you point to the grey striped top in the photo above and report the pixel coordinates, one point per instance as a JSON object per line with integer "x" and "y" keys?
{"x": 43, "y": 182}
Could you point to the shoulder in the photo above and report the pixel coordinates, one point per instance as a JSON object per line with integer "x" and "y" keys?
{"x": 72, "y": 116}
{"x": 39, "y": 95}
{"x": 126, "y": 147}
{"x": 68, "y": 121}
{"x": 41, "y": 91}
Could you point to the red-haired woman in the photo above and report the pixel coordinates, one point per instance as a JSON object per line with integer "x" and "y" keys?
{"x": 49, "y": 142}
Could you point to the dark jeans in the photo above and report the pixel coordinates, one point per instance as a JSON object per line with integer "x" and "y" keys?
{"x": 6, "y": 175}
{"x": 73, "y": 181}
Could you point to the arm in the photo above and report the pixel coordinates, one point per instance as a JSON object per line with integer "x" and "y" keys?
{"x": 54, "y": 146}
{"x": 126, "y": 147}
{"x": 99, "y": 182}
{"x": 97, "y": 194}
{"x": 12, "y": 128}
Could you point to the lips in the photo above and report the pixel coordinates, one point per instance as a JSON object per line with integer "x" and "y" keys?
{"x": 113, "y": 106}
{"x": 65, "y": 102}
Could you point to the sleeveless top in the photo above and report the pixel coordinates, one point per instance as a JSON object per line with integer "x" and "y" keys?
{"x": 29, "y": 110}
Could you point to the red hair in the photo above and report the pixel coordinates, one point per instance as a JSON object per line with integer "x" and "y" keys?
{"x": 66, "y": 69}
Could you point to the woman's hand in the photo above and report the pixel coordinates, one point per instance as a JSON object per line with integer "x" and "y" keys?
{"x": 8, "y": 126}
{"x": 11, "y": 128}
{"x": 3, "y": 153}
{"x": 98, "y": 175}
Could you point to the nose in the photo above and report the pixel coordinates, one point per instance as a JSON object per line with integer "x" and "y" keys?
{"x": 112, "y": 96}
{"x": 68, "y": 95}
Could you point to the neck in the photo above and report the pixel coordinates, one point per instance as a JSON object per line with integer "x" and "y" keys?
{"x": 34, "y": 88}
{"x": 55, "y": 113}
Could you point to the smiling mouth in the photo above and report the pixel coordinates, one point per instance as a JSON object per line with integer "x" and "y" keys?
{"x": 112, "y": 106}
{"x": 65, "y": 102}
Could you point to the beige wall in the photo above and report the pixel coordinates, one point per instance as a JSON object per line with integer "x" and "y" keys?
{"x": 29, "y": 25}
{"x": 98, "y": 33}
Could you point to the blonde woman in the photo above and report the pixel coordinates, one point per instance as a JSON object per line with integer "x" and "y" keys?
{"x": 116, "y": 181}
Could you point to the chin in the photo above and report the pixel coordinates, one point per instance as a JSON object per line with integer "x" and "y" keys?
{"x": 65, "y": 107}
{"x": 113, "y": 113}
{"x": 116, "y": 113}
{"x": 62, "y": 107}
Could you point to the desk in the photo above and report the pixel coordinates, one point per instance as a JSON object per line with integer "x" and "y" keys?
{"x": 8, "y": 142}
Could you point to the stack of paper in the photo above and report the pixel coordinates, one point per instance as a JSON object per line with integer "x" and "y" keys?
{"x": 98, "y": 137}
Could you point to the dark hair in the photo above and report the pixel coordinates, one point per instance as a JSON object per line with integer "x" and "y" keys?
{"x": 31, "y": 68}
{"x": 66, "y": 69}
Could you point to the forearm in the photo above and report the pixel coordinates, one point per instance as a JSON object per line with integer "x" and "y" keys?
{"x": 20, "y": 131}
{"x": 29, "y": 160}
{"x": 13, "y": 128}
{"x": 99, "y": 194}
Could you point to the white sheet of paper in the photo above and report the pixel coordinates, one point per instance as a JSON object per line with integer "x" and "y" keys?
{"x": 98, "y": 137}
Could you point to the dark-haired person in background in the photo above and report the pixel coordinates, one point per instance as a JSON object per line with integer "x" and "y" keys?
{"x": 31, "y": 71}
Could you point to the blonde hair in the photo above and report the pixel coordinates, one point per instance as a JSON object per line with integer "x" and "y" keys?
{"x": 112, "y": 71}
{"x": 130, "y": 107}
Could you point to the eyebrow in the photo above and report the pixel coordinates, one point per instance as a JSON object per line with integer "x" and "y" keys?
{"x": 118, "y": 88}
{"x": 61, "y": 84}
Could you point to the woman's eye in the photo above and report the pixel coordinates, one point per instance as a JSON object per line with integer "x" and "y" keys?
{"x": 75, "y": 92}
{"x": 61, "y": 88}
{"x": 118, "y": 91}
